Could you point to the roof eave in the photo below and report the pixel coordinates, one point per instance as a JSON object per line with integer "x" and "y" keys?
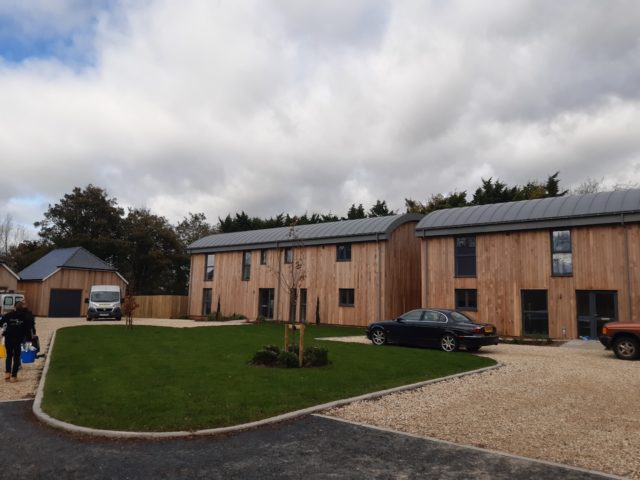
{"x": 530, "y": 225}
{"x": 291, "y": 243}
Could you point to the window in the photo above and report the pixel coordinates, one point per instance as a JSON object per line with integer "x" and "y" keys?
{"x": 561, "y": 259}
{"x": 465, "y": 256}
{"x": 210, "y": 266}
{"x": 436, "y": 317}
{"x": 206, "y": 301}
{"x": 466, "y": 299}
{"x": 246, "y": 265}
{"x": 288, "y": 255}
{"x": 347, "y": 297}
{"x": 263, "y": 257}
{"x": 303, "y": 305}
{"x": 343, "y": 252}
{"x": 412, "y": 316}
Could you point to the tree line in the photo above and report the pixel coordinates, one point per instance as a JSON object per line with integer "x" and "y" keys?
{"x": 151, "y": 252}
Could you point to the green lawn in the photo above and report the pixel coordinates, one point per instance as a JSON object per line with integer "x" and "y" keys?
{"x": 165, "y": 379}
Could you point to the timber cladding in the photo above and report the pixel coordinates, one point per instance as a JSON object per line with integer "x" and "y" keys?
{"x": 384, "y": 276}
{"x": 604, "y": 258}
{"x": 38, "y": 293}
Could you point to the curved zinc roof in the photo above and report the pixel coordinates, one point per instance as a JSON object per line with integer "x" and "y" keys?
{"x": 361, "y": 230}
{"x": 574, "y": 210}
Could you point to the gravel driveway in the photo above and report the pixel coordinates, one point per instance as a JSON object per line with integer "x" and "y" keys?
{"x": 576, "y": 406}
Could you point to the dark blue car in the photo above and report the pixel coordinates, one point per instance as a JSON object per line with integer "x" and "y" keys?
{"x": 434, "y": 327}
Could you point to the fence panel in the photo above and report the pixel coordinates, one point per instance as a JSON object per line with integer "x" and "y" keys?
{"x": 161, "y": 306}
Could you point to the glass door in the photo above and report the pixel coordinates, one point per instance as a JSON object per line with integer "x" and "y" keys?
{"x": 535, "y": 313}
{"x": 595, "y": 308}
{"x": 265, "y": 302}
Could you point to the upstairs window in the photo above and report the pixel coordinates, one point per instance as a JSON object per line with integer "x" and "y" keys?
{"x": 561, "y": 257}
{"x": 465, "y": 256}
{"x": 263, "y": 257}
{"x": 246, "y": 265}
{"x": 210, "y": 266}
{"x": 343, "y": 252}
{"x": 288, "y": 255}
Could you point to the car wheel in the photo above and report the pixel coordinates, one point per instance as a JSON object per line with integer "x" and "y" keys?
{"x": 118, "y": 318}
{"x": 473, "y": 349}
{"x": 626, "y": 348}
{"x": 448, "y": 343}
{"x": 378, "y": 337}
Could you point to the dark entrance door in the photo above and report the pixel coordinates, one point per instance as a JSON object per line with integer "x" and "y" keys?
{"x": 535, "y": 313}
{"x": 595, "y": 308}
{"x": 65, "y": 303}
{"x": 265, "y": 302}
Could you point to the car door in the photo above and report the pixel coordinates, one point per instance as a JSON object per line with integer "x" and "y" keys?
{"x": 407, "y": 327}
{"x": 434, "y": 325}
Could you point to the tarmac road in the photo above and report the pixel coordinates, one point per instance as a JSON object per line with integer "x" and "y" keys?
{"x": 308, "y": 448}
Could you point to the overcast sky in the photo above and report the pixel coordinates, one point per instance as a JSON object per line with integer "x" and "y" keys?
{"x": 293, "y": 106}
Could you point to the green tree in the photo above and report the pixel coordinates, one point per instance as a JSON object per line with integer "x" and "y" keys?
{"x": 356, "y": 212}
{"x": 437, "y": 202}
{"x": 380, "y": 209}
{"x": 87, "y": 218}
{"x": 193, "y": 228}
{"x": 156, "y": 261}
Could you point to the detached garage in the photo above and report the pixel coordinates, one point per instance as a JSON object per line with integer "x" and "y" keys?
{"x": 57, "y": 284}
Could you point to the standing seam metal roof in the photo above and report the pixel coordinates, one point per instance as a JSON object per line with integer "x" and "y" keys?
{"x": 365, "y": 229}
{"x": 76, "y": 257}
{"x": 595, "y": 208}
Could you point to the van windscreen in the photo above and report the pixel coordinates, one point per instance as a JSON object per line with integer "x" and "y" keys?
{"x": 105, "y": 296}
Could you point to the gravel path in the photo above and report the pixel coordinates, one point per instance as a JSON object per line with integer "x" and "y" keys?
{"x": 30, "y": 373}
{"x": 576, "y": 406}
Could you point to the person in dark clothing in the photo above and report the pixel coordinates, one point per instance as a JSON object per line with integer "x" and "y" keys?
{"x": 15, "y": 328}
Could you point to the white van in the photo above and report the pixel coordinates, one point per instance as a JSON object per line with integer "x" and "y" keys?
{"x": 8, "y": 301}
{"x": 104, "y": 302}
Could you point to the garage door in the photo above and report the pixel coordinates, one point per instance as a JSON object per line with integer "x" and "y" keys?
{"x": 65, "y": 303}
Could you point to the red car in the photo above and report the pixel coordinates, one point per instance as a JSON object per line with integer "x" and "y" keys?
{"x": 623, "y": 337}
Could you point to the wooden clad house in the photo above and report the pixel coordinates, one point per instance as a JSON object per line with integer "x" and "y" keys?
{"x": 57, "y": 284}
{"x": 8, "y": 278}
{"x": 558, "y": 267}
{"x": 351, "y": 272}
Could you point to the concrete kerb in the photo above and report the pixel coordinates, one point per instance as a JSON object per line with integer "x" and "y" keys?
{"x": 69, "y": 427}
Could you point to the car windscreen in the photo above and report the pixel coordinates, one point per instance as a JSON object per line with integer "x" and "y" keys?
{"x": 460, "y": 318}
{"x": 105, "y": 296}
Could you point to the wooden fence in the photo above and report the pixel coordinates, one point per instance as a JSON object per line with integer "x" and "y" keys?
{"x": 161, "y": 306}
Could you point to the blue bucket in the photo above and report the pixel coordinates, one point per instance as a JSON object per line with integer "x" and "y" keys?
{"x": 28, "y": 357}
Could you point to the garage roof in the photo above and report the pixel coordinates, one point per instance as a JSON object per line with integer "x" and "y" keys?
{"x": 76, "y": 257}
{"x": 566, "y": 211}
{"x": 361, "y": 230}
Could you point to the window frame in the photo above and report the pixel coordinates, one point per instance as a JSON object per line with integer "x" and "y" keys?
{"x": 458, "y": 256}
{"x": 347, "y": 292}
{"x": 466, "y": 292}
{"x": 343, "y": 252}
{"x": 264, "y": 256}
{"x": 287, "y": 253}
{"x": 209, "y": 270}
{"x": 563, "y": 252}
{"x": 246, "y": 265}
